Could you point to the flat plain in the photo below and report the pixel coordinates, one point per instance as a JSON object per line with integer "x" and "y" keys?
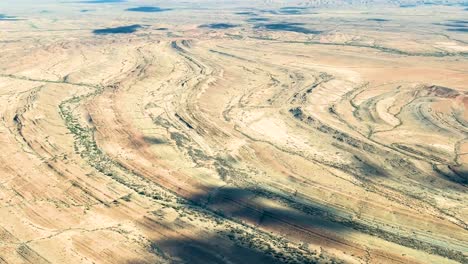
{"x": 233, "y": 131}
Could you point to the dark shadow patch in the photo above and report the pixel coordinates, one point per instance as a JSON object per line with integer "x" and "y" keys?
{"x": 11, "y": 19}
{"x": 162, "y": 29}
{"x": 444, "y": 4}
{"x": 408, "y": 5}
{"x": 234, "y": 244}
{"x": 246, "y": 13}
{"x": 118, "y": 30}
{"x": 154, "y": 140}
{"x": 461, "y": 172}
{"x": 461, "y": 29}
{"x": 452, "y": 24}
{"x": 85, "y": 10}
{"x": 187, "y": 124}
{"x": 287, "y": 11}
{"x": 217, "y": 250}
{"x": 292, "y": 10}
{"x": 459, "y": 21}
{"x": 273, "y": 12}
{"x": 455, "y": 25}
{"x": 286, "y": 26}
{"x": 367, "y": 167}
{"x": 219, "y": 26}
{"x": 378, "y": 19}
{"x": 4, "y": 17}
{"x": 242, "y": 204}
{"x": 258, "y": 19}
{"x": 148, "y": 9}
{"x": 453, "y": 173}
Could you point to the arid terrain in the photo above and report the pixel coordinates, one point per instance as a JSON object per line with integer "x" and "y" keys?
{"x": 233, "y": 131}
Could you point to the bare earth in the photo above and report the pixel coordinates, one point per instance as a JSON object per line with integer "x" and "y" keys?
{"x": 233, "y": 132}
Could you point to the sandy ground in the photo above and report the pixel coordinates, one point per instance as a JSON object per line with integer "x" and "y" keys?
{"x": 243, "y": 132}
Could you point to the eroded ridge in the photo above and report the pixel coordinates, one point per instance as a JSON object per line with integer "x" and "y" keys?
{"x": 208, "y": 145}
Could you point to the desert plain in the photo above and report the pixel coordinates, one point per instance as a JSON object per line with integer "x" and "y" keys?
{"x": 233, "y": 131}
